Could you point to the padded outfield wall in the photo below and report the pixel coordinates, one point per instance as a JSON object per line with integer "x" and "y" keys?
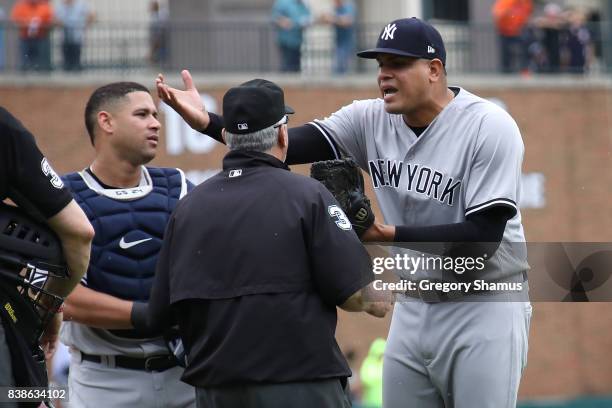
{"x": 567, "y": 131}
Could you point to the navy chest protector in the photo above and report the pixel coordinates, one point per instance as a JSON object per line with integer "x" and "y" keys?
{"x": 129, "y": 225}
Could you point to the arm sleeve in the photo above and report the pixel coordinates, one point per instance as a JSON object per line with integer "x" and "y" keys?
{"x": 343, "y": 129}
{"x": 495, "y": 174}
{"x": 307, "y": 143}
{"x": 484, "y": 230}
{"x": 340, "y": 264}
{"x": 215, "y": 127}
{"x": 34, "y": 185}
{"x": 157, "y": 315}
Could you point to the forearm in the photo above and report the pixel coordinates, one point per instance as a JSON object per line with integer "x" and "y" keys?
{"x": 483, "y": 232}
{"x": 213, "y": 127}
{"x": 96, "y": 309}
{"x": 354, "y": 303}
{"x": 75, "y": 233}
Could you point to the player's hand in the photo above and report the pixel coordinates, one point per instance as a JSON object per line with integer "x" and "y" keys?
{"x": 48, "y": 340}
{"x": 187, "y": 103}
{"x": 377, "y": 309}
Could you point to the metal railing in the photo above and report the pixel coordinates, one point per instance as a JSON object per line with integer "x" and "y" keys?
{"x": 251, "y": 47}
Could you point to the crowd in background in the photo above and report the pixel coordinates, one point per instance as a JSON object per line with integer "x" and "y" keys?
{"x": 550, "y": 39}
{"x": 36, "y": 18}
{"x": 534, "y": 36}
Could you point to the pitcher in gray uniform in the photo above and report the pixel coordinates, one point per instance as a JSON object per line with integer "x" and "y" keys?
{"x": 446, "y": 167}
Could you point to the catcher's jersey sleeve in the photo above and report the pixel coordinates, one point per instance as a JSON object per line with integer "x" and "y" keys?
{"x": 27, "y": 177}
{"x": 345, "y": 128}
{"x": 495, "y": 174}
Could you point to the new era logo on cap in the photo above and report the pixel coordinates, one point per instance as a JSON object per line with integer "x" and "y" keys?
{"x": 243, "y": 126}
{"x": 409, "y": 37}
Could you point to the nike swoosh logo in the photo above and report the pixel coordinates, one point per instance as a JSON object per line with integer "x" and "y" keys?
{"x": 126, "y": 245}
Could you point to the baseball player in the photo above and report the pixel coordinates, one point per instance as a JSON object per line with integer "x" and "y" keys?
{"x": 445, "y": 166}
{"x": 129, "y": 205}
{"x": 27, "y": 178}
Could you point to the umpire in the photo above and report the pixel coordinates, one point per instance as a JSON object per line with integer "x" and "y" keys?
{"x": 254, "y": 262}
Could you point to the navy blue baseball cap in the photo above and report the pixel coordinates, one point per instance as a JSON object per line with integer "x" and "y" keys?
{"x": 253, "y": 105}
{"x": 409, "y": 37}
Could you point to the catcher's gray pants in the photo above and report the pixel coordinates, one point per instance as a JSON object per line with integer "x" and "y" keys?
{"x": 101, "y": 384}
{"x": 6, "y": 372}
{"x": 455, "y": 354}
{"x": 310, "y": 394}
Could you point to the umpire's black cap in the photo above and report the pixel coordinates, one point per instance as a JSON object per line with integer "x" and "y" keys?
{"x": 253, "y": 105}
{"x": 409, "y": 37}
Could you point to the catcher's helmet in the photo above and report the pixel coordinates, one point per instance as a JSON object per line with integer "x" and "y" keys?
{"x": 30, "y": 252}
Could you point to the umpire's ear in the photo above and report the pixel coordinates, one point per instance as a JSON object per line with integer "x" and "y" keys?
{"x": 223, "y": 136}
{"x": 283, "y": 136}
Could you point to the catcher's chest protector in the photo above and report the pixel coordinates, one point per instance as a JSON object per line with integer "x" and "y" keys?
{"x": 129, "y": 226}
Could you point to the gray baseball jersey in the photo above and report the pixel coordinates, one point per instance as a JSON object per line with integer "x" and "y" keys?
{"x": 447, "y": 354}
{"x": 467, "y": 160}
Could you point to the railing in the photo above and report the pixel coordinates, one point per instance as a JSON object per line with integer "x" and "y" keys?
{"x": 251, "y": 47}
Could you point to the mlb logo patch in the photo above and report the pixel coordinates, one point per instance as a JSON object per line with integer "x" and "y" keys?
{"x": 243, "y": 126}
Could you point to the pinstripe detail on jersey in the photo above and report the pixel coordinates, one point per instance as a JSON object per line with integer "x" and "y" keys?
{"x": 505, "y": 202}
{"x": 327, "y": 137}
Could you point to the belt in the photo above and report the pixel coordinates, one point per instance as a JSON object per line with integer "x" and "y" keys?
{"x": 438, "y": 296}
{"x": 153, "y": 363}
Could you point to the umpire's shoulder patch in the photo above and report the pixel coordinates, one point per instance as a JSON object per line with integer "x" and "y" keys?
{"x": 339, "y": 217}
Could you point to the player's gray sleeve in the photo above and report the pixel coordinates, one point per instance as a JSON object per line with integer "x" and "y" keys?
{"x": 495, "y": 171}
{"x": 345, "y": 128}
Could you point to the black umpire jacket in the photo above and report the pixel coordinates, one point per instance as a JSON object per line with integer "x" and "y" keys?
{"x": 254, "y": 262}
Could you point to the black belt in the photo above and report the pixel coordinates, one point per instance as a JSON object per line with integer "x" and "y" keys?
{"x": 154, "y": 363}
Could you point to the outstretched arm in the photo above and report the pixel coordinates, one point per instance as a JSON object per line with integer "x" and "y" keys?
{"x": 186, "y": 103}
{"x": 306, "y": 143}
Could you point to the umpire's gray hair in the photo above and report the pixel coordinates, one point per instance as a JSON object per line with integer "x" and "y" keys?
{"x": 260, "y": 141}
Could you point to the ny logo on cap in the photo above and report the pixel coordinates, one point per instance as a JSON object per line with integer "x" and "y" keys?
{"x": 431, "y": 50}
{"x": 388, "y": 32}
{"x": 243, "y": 126}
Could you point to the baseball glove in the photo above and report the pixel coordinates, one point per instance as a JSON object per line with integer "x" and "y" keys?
{"x": 344, "y": 180}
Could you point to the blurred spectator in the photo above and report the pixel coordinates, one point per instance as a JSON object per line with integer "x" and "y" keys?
{"x": 510, "y": 17}
{"x": 343, "y": 20}
{"x": 551, "y": 23}
{"x": 158, "y": 34}
{"x": 371, "y": 374}
{"x": 34, "y": 19}
{"x": 577, "y": 43}
{"x": 73, "y": 16}
{"x": 290, "y": 18}
{"x": 594, "y": 25}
